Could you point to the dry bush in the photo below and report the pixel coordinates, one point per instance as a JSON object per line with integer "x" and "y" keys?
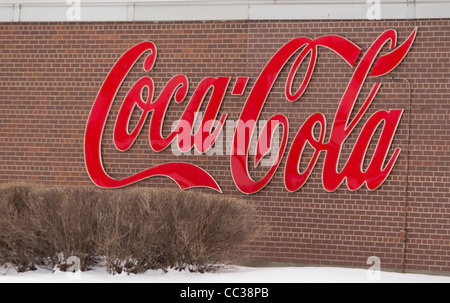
{"x": 133, "y": 230}
{"x": 19, "y": 244}
{"x": 197, "y": 231}
{"x": 45, "y": 226}
{"x": 66, "y": 220}
{"x": 124, "y": 234}
{"x": 159, "y": 229}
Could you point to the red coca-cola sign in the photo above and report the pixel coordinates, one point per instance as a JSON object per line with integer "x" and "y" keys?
{"x": 187, "y": 175}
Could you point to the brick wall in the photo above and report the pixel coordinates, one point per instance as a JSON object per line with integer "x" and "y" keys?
{"x": 50, "y": 74}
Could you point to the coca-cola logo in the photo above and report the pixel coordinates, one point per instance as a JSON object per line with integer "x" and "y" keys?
{"x": 187, "y": 175}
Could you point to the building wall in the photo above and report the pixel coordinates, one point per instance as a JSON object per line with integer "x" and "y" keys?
{"x": 51, "y": 72}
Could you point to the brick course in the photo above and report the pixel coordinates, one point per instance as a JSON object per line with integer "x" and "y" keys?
{"x": 50, "y": 74}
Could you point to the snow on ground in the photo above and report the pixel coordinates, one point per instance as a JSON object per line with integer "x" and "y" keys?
{"x": 228, "y": 275}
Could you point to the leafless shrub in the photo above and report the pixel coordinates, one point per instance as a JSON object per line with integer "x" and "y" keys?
{"x": 65, "y": 220}
{"x": 197, "y": 231}
{"x": 18, "y": 242}
{"x": 134, "y": 230}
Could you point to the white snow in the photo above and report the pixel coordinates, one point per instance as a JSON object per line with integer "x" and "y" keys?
{"x": 228, "y": 275}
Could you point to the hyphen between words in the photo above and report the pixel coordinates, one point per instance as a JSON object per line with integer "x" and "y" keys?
{"x": 187, "y": 175}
